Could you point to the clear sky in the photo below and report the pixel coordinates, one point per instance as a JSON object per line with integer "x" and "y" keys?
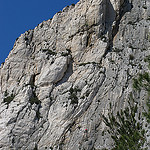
{"x": 18, "y": 16}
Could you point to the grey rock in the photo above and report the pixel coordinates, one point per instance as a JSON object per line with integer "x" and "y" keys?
{"x": 64, "y": 74}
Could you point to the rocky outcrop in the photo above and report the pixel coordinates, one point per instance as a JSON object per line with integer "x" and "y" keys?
{"x": 60, "y": 78}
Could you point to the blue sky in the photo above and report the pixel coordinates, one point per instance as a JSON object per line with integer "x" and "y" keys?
{"x": 18, "y": 16}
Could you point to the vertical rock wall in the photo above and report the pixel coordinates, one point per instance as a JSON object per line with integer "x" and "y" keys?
{"x": 61, "y": 77}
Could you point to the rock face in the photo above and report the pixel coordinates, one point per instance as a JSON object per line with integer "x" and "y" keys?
{"x": 60, "y": 77}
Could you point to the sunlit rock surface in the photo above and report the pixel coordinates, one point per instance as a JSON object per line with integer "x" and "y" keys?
{"x": 60, "y": 78}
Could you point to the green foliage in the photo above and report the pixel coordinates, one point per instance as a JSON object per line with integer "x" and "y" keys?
{"x": 131, "y": 57}
{"x": 34, "y": 99}
{"x": 35, "y": 148}
{"x": 130, "y": 22}
{"x": 143, "y": 82}
{"x": 8, "y": 98}
{"x": 136, "y": 84}
{"x": 126, "y": 132}
{"x": 49, "y": 52}
{"x": 26, "y": 39}
{"x": 83, "y": 64}
{"x": 147, "y": 59}
{"x": 73, "y": 95}
{"x": 6, "y": 93}
{"x": 64, "y": 54}
{"x": 117, "y": 50}
{"x": 38, "y": 115}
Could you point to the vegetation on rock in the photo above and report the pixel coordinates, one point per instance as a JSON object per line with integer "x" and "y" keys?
{"x": 8, "y": 98}
{"x": 125, "y": 129}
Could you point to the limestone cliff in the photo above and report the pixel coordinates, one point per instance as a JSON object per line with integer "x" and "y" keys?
{"x": 60, "y": 77}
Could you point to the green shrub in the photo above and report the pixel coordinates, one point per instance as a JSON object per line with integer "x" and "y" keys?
{"x": 147, "y": 59}
{"x": 125, "y": 130}
{"x": 74, "y": 99}
{"x": 34, "y": 99}
{"x": 8, "y": 99}
{"x": 143, "y": 82}
{"x": 64, "y": 54}
{"x": 6, "y": 93}
{"x": 136, "y": 84}
{"x": 73, "y": 95}
{"x": 131, "y": 57}
{"x": 36, "y": 147}
{"x": 49, "y": 52}
{"x": 83, "y": 64}
{"x": 38, "y": 115}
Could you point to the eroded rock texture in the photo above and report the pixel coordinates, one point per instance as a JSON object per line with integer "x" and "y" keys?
{"x": 60, "y": 77}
